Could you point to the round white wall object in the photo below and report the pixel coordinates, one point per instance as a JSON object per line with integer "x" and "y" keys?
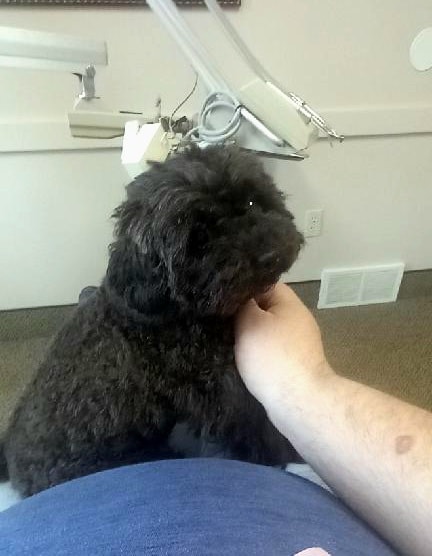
{"x": 421, "y": 50}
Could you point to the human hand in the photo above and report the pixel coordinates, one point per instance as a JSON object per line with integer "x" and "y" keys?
{"x": 352, "y": 435}
{"x": 278, "y": 346}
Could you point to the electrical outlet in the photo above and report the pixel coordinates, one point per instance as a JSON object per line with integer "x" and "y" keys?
{"x": 313, "y": 223}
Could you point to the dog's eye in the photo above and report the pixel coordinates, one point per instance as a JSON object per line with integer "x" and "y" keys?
{"x": 248, "y": 205}
{"x": 258, "y": 202}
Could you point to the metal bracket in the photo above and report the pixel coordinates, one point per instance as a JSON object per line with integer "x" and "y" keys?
{"x": 87, "y": 82}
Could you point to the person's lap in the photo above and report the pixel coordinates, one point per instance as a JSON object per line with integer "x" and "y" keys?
{"x": 195, "y": 507}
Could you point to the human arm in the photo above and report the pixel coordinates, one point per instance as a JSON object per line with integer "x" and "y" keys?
{"x": 374, "y": 450}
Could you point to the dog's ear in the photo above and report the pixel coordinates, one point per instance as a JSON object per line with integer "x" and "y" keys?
{"x": 132, "y": 222}
{"x": 150, "y": 253}
{"x": 136, "y": 271}
{"x": 171, "y": 242}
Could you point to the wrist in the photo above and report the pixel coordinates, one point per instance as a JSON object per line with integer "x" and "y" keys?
{"x": 299, "y": 388}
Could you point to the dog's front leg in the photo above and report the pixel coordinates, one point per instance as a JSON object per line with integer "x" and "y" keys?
{"x": 231, "y": 417}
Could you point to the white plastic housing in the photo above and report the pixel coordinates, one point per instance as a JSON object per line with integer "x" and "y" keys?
{"x": 143, "y": 144}
{"x": 278, "y": 112}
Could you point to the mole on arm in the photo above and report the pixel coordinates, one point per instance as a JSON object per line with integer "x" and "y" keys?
{"x": 403, "y": 444}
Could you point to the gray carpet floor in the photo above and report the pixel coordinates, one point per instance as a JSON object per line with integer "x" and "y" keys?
{"x": 387, "y": 346}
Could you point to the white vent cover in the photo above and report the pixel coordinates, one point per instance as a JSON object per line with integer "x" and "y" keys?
{"x": 360, "y": 286}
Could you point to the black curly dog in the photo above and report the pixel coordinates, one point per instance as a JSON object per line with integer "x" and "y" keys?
{"x": 196, "y": 238}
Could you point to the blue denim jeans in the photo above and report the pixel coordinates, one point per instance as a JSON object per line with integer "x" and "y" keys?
{"x": 186, "y": 507}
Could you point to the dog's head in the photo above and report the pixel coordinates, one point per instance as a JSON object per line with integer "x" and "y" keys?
{"x": 202, "y": 233}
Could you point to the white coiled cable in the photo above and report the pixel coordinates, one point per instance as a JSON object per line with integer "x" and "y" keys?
{"x": 203, "y": 132}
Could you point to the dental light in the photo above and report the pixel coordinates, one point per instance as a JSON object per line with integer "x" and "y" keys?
{"x": 28, "y": 49}
{"x": 247, "y": 107}
{"x": 22, "y": 48}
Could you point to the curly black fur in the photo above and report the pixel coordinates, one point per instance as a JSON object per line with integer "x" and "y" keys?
{"x": 197, "y": 237}
{"x": 3, "y": 464}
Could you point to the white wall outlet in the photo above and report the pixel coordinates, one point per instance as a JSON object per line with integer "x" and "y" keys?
{"x": 313, "y": 223}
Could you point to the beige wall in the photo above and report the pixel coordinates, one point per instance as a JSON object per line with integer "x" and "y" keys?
{"x": 349, "y": 59}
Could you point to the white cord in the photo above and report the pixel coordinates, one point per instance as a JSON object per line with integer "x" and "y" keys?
{"x": 214, "y": 101}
